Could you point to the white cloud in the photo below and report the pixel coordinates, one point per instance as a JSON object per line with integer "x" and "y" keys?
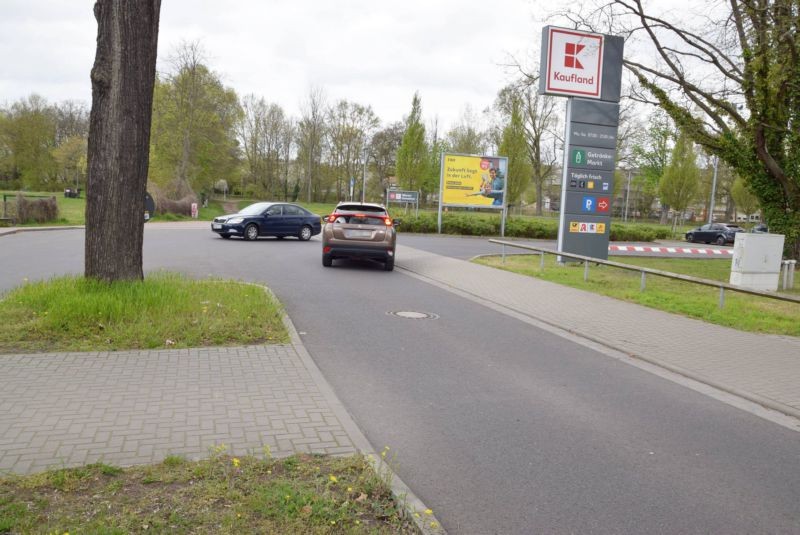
{"x": 376, "y": 53}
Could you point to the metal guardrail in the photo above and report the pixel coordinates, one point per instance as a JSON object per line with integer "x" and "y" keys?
{"x": 645, "y": 271}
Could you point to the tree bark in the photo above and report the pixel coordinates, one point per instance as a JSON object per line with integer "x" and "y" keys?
{"x": 119, "y": 137}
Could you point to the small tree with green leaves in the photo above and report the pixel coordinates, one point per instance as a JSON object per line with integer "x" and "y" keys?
{"x": 680, "y": 181}
{"x": 514, "y": 146}
{"x": 746, "y": 202}
{"x": 412, "y": 156}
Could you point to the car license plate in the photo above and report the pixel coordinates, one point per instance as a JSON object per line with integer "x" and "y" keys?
{"x": 216, "y": 226}
{"x": 358, "y": 233}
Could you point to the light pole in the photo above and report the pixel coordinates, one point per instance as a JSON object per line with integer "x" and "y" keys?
{"x": 713, "y": 191}
{"x": 364, "y": 176}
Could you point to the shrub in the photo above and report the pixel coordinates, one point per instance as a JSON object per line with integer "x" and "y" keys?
{"x": 181, "y": 207}
{"x": 424, "y": 223}
{"x": 36, "y": 211}
{"x": 470, "y": 225}
{"x": 542, "y": 229}
{"x": 479, "y": 224}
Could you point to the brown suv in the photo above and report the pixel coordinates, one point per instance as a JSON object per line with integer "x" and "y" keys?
{"x": 359, "y": 230}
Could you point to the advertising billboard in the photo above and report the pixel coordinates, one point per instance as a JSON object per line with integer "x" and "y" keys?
{"x": 474, "y": 181}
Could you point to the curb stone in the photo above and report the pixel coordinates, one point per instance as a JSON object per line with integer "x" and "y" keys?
{"x": 411, "y": 506}
{"x": 8, "y": 231}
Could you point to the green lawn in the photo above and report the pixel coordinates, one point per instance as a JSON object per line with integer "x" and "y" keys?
{"x": 741, "y": 311}
{"x": 164, "y": 311}
{"x": 223, "y": 494}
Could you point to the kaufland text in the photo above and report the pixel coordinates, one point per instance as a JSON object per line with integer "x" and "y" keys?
{"x": 561, "y": 77}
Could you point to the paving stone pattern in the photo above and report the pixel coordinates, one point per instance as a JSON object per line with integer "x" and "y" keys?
{"x": 135, "y": 407}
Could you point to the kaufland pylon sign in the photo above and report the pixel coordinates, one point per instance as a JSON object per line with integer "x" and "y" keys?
{"x": 574, "y": 63}
{"x": 586, "y": 68}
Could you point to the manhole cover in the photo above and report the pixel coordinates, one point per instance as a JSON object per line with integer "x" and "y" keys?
{"x": 411, "y": 315}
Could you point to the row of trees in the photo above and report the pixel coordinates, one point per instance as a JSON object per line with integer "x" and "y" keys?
{"x": 666, "y": 166}
{"x": 202, "y": 133}
{"x": 42, "y": 145}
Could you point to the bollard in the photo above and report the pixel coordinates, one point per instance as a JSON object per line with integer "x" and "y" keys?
{"x": 792, "y": 264}
{"x": 643, "y": 284}
{"x": 541, "y": 261}
{"x": 785, "y": 274}
{"x": 585, "y": 270}
{"x": 721, "y": 296}
{"x": 504, "y": 253}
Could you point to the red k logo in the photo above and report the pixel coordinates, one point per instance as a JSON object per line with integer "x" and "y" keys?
{"x": 571, "y": 55}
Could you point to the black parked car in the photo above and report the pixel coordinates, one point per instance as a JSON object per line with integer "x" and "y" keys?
{"x": 268, "y": 219}
{"x": 719, "y": 233}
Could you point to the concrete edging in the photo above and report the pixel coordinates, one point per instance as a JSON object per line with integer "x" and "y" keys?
{"x": 412, "y": 506}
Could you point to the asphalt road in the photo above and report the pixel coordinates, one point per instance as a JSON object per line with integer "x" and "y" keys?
{"x": 500, "y": 427}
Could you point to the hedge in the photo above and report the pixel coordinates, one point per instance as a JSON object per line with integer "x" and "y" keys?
{"x": 519, "y": 227}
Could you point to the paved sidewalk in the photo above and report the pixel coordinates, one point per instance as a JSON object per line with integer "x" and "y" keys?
{"x": 762, "y": 368}
{"x": 124, "y": 408}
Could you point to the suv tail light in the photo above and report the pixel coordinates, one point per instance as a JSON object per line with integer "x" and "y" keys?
{"x": 387, "y": 221}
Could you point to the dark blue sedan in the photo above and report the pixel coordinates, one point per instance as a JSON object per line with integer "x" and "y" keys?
{"x": 268, "y": 219}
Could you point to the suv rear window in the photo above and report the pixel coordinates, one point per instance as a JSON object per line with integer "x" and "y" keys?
{"x": 361, "y": 208}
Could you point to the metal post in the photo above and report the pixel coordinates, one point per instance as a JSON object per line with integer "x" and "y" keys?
{"x": 721, "y": 296}
{"x": 713, "y": 192}
{"x": 504, "y": 253}
{"x": 585, "y": 270}
{"x": 644, "y": 283}
{"x": 792, "y": 263}
{"x": 541, "y": 261}
{"x": 364, "y": 177}
{"x": 627, "y": 196}
{"x": 785, "y": 273}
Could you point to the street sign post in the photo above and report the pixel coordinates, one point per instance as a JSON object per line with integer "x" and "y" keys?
{"x": 405, "y": 197}
{"x": 587, "y": 68}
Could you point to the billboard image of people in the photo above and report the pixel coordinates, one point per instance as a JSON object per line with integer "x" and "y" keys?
{"x": 474, "y": 180}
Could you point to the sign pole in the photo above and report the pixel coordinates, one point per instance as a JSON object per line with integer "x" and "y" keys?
{"x": 564, "y": 181}
{"x": 441, "y": 192}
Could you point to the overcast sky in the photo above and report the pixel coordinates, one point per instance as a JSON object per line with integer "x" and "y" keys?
{"x": 367, "y": 51}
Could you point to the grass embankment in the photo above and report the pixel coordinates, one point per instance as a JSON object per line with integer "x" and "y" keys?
{"x": 741, "y": 311}
{"x": 298, "y": 494}
{"x": 165, "y": 310}
{"x": 72, "y": 212}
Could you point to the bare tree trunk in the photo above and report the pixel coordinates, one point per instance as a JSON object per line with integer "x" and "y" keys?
{"x": 119, "y": 136}
{"x": 539, "y": 197}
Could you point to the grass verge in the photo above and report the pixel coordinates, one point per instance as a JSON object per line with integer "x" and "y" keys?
{"x": 164, "y": 310}
{"x": 741, "y": 311}
{"x": 299, "y": 494}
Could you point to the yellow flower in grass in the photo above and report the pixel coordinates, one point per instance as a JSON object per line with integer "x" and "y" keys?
{"x": 428, "y": 512}
{"x": 236, "y": 462}
{"x": 333, "y": 478}
{"x": 434, "y": 525}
